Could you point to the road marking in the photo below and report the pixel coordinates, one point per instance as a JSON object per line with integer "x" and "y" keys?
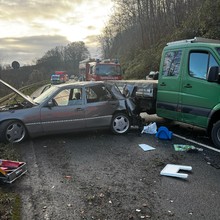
{"x": 195, "y": 142}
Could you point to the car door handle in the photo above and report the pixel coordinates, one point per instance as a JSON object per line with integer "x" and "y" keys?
{"x": 79, "y": 109}
{"x": 163, "y": 84}
{"x": 188, "y": 86}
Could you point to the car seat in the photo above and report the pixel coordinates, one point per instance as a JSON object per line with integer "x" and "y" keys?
{"x": 77, "y": 95}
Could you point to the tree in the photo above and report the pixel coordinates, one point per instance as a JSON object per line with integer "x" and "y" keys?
{"x": 73, "y": 54}
{"x": 53, "y": 59}
{"x": 145, "y": 26}
{"x": 64, "y": 58}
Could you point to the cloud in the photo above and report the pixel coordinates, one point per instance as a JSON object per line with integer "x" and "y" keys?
{"x": 28, "y": 48}
{"x": 92, "y": 44}
{"x": 32, "y": 27}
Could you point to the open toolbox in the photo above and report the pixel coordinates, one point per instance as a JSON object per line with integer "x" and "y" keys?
{"x": 11, "y": 170}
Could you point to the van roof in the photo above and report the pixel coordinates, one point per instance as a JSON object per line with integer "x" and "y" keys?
{"x": 194, "y": 40}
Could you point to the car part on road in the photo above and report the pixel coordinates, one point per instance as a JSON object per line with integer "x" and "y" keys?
{"x": 173, "y": 169}
{"x": 146, "y": 147}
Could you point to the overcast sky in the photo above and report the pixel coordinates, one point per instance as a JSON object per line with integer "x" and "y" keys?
{"x": 29, "y": 28}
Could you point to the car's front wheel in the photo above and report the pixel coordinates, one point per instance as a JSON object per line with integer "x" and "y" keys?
{"x": 120, "y": 123}
{"x": 12, "y": 131}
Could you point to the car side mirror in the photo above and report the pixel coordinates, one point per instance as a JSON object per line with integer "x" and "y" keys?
{"x": 213, "y": 74}
{"x": 50, "y": 104}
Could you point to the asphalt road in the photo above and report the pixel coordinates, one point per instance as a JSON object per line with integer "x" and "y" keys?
{"x": 98, "y": 175}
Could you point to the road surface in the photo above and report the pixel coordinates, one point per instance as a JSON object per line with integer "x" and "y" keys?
{"x": 98, "y": 175}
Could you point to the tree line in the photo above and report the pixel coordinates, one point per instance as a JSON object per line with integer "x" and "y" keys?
{"x": 59, "y": 58}
{"x": 136, "y": 33}
{"x": 139, "y": 29}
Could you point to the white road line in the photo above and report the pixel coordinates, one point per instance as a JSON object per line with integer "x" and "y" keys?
{"x": 195, "y": 142}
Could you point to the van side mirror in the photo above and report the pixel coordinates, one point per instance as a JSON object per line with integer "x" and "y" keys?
{"x": 213, "y": 74}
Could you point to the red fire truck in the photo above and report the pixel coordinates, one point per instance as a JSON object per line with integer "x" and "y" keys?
{"x": 96, "y": 70}
{"x": 59, "y": 77}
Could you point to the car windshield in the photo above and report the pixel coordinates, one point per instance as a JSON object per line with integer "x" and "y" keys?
{"x": 40, "y": 99}
{"x": 107, "y": 70}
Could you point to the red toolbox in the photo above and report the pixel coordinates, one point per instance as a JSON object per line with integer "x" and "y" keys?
{"x": 11, "y": 170}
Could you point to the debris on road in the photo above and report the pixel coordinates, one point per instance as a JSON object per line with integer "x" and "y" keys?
{"x": 150, "y": 129}
{"x": 146, "y": 147}
{"x": 173, "y": 169}
{"x": 164, "y": 133}
{"x": 187, "y": 148}
{"x": 212, "y": 162}
{"x": 68, "y": 177}
{"x": 11, "y": 170}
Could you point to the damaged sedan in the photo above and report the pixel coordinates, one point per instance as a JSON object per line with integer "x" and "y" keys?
{"x": 76, "y": 106}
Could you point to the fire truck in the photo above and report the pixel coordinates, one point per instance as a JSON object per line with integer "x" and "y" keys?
{"x": 97, "y": 70}
{"x": 59, "y": 77}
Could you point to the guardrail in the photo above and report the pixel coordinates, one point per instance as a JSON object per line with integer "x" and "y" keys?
{"x": 24, "y": 90}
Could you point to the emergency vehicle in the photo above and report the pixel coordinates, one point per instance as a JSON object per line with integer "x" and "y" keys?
{"x": 97, "y": 70}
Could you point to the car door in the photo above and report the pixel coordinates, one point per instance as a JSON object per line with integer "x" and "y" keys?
{"x": 169, "y": 84}
{"x": 64, "y": 115}
{"x": 198, "y": 96}
{"x": 100, "y": 106}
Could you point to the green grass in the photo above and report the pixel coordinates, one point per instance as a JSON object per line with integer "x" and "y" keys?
{"x": 10, "y": 202}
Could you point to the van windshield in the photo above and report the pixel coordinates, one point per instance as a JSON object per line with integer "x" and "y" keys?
{"x": 218, "y": 50}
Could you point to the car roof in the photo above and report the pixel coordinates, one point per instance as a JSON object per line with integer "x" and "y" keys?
{"x": 81, "y": 83}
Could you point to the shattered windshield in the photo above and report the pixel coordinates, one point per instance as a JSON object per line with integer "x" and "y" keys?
{"x": 45, "y": 95}
{"x": 107, "y": 70}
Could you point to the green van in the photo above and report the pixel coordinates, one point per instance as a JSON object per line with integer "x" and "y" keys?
{"x": 189, "y": 84}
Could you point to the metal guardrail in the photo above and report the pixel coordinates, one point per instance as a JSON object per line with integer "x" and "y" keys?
{"x": 24, "y": 89}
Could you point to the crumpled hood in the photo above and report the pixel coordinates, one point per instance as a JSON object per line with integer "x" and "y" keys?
{"x": 27, "y": 98}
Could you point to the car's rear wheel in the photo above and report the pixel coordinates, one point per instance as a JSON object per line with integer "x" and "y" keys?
{"x": 12, "y": 131}
{"x": 120, "y": 123}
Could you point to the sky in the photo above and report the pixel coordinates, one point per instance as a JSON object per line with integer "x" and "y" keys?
{"x": 29, "y": 28}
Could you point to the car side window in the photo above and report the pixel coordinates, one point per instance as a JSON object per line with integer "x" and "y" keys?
{"x": 62, "y": 98}
{"x": 97, "y": 94}
{"x": 199, "y": 63}
{"x": 171, "y": 65}
{"x": 75, "y": 97}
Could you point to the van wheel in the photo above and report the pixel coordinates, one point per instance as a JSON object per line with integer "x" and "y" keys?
{"x": 215, "y": 134}
{"x": 120, "y": 123}
{"x": 12, "y": 131}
